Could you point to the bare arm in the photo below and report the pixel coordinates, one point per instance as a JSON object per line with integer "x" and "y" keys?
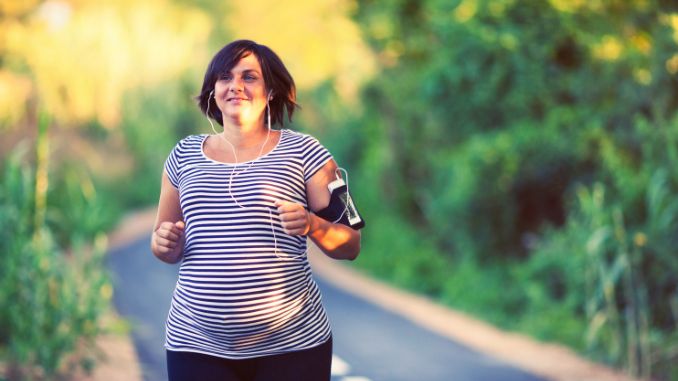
{"x": 337, "y": 241}
{"x": 167, "y": 240}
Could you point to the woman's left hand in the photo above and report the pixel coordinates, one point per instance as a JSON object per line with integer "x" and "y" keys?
{"x": 295, "y": 219}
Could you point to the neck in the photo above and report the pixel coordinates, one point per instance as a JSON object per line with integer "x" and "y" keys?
{"x": 245, "y": 135}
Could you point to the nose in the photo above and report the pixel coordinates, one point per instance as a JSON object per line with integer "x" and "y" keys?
{"x": 236, "y": 85}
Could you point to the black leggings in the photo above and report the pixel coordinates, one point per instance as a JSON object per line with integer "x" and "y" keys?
{"x": 312, "y": 364}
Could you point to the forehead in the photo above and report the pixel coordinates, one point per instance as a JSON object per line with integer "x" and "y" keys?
{"x": 247, "y": 63}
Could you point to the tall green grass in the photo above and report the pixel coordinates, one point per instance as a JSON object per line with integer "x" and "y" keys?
{"x": 614, "y": 275}
{"x": 53, "y": 287}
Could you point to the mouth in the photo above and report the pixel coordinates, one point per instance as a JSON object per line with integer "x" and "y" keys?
{"x": 235, "y": 99}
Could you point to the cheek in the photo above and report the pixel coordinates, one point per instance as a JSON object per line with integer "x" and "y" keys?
{"x": 259, "y": 97}
{"x": 220, "y": 95}
{"x": 219, "y": 90}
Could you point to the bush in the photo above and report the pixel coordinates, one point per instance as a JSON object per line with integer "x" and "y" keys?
{"x": 52, "y": 293}
{"x": 496, "y": 191}
{"x": 399, "y": 253}
{"x": 154, "y": 121}
{"x": 495, "y": 138}
{"x": 617, "y": 273}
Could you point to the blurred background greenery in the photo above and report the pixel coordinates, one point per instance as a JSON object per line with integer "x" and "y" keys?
{"x": 516, "y": 160}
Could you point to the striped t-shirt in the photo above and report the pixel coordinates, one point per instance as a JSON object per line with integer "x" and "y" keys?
{"x": 245, "y": 287}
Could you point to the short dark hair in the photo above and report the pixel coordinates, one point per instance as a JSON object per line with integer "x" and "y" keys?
{"x": 276, "y": 79}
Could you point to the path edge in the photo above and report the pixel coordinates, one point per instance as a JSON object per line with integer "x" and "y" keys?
{"x": 551, "y": 361}
{"x": 120, "y": 361}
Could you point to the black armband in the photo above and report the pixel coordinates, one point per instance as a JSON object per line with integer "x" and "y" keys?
{"x": 341, "y": 209}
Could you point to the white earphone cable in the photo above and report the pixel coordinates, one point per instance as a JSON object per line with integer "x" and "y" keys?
{"x": 234, "y": 174}
{"x": 337, "y": 173}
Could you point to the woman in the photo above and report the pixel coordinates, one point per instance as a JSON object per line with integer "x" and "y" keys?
{"x": 236, "y": 209}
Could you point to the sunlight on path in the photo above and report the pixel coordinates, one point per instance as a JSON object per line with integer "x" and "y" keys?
{"x": 340, "y": 369}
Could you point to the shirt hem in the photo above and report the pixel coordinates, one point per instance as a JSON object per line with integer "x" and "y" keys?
{"x": 245, "y": 357}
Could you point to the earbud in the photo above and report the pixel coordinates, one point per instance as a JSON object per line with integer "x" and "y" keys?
{"x": 270, "y": 95}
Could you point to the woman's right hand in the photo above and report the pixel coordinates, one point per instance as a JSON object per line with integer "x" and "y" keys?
{"x": 167, "y": 242}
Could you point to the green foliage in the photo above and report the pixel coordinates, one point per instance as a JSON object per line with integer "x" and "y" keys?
{"x": 401, "y": 256}
{"x": 51, "y": 295}
{"x": 485, "y": 146}
{"x": 620, "y": 267}
{"x": 496, "y": 189}
{"x": 472, "y": 68}
{"x": 155, "y": 120}
{"x": 78, "y": 209}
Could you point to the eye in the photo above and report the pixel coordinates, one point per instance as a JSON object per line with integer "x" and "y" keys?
{"x": 250, "y": 77}
{"x": 225, "y": 77}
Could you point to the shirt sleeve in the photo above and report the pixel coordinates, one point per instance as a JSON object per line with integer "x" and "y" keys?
{"x": 172, "y": 166}
{"x": 315, "y": 156}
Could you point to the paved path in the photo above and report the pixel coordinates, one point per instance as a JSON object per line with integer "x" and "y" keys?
{"x": 370, "y": 342}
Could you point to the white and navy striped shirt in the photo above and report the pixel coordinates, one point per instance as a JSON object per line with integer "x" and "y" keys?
{"x": 245, "y": 287}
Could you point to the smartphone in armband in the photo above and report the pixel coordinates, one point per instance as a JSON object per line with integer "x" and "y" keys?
{"x": 346, "y": 209}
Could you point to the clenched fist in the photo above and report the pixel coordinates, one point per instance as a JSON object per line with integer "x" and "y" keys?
{"x": 167, "y": 242}
{"x": 295, "y": 219}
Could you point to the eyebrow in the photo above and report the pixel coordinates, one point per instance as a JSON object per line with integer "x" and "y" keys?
{"x": 244, "y": 72}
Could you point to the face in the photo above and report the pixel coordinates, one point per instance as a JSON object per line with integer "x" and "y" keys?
{"x": 241, "y": 93}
